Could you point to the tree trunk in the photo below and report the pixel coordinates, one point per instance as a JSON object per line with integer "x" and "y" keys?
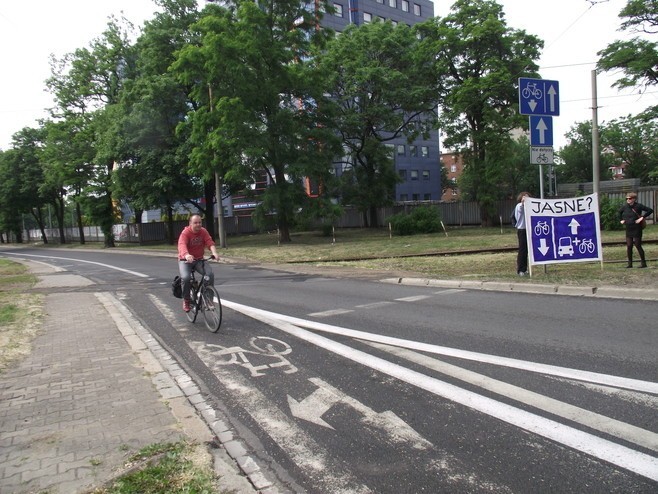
{"x": 38, "y": 216}
{"x": 59, "y": 214}
{"x": 81, "y": 229}
{"x": 170, "y": 223}
{"x": 209, "y": 195}
{"x": 107, "y": 229}
{"x": 374, "y": 221}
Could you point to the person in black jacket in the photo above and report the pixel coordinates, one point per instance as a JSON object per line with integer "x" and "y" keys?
{"x": 632, "y": 215}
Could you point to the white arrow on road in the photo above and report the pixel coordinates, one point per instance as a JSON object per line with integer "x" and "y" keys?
{"x": 322, "y": 399}
{"x": 551, "y": 95}
{"x": 543, "y": 248}
{"x": 573, "y": 224}
{"x": 542, "y": 128}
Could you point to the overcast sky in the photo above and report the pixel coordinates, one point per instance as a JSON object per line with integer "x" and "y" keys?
{"x": 573, "y": 31}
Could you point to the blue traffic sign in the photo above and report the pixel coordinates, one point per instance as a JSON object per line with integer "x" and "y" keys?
{"x": 541, "y": 131}
{"x": 539, "y": 97}
{"x": 563, "y": 230}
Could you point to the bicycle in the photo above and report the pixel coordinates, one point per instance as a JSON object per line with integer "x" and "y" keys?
{"x": 204, "y": 298}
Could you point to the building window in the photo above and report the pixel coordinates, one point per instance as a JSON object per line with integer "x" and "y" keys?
{"x": 416, "y": 9}
{"x": 404, "y": 197}
{"x": 453, "y": 168}
{"x": 424, "y": 151}
{"x": 426, "y": 175}
{"x": 395, "y": 23}
{"x": 427, "y": 197}
{"x": 403, "y": 174}
{"x": 380, "y": 1}
{"x": 338, "y": 10}
{"x": 414, "y": 174}
{"x": 413, "y": 151}
{"x": 405, "y": 5}
{"x": 393, "y": 3}
{"x": 401, "y": 150}
{"x": 415, "y": 197}
{"x": 367, "y": 17}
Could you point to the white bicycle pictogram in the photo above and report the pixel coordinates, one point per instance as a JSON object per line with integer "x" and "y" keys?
{"x": 542, "y": 228}
{"x": 531, "y": 89}
{"x": 265, "y": 349}
{"x": 586, "y": 246}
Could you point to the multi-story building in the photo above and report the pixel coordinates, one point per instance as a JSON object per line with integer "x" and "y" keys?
{"x": 454, "y": 165}
{"x": 417, "y": 163}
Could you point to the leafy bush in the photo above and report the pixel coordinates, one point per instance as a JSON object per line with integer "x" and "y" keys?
{"x": 609, "y": 213}
{"x": 424, "y": 219}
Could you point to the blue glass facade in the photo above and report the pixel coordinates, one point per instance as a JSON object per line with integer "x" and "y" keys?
{"x": 418, "y": 163}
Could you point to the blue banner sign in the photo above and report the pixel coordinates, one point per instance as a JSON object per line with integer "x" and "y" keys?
{"x": 563, "y": 230}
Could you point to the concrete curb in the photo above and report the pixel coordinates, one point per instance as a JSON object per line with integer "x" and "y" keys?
{"x": 569, "y": 290}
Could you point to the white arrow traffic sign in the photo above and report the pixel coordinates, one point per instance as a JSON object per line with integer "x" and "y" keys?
{"x": 573, "y": 224}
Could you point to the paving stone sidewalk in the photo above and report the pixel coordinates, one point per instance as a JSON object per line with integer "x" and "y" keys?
{"x": 78, "y": 405}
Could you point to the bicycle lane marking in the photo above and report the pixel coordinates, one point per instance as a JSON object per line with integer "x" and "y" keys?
{"x": 587, "y": 443}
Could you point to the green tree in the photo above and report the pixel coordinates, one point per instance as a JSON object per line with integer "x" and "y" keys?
{"x": 577, "y": 155}
{"x": 152, "y": 171}
{"x": 634, "y": 142}
{"x": 68, "y": 150}
{"x": 33, "y": 192}
{"x": 263, "y": 118}
{"x": 87, "y": 84}
{"x": 381, "y": 86}
{"x": 12, "y": 202}
{"x": 637, "y": 58}
{"x": 480, "y": 60}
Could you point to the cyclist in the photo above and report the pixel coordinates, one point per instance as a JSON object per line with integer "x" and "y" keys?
{"x": 192, "y": 244}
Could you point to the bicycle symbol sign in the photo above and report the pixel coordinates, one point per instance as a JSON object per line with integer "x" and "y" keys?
{"x": 563, "y": 230}
{"x": 539, "y": 97}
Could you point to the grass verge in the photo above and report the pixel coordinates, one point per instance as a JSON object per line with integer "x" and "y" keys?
{"x": 20, "y": 314}
{"x": 175, "y": 468}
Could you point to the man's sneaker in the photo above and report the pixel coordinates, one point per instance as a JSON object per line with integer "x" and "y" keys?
{"x": 186, "y": 305}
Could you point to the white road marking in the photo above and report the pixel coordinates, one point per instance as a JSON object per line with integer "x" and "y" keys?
{"x": 449, "y": 291}
{"x": 374, "y": 305}
{"x": 415, "y": 298}
{"x": 622, "y": 430}
{"x": 597, "y": 447}
{"x": 328, "y": 313}
{"x": 551, "y": 370}
{"x": 135, "y": 273}
{"x": 322, "y": 399}
{"x": 293, "y": 440}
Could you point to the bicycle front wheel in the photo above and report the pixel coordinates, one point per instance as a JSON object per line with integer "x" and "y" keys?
{"x": 211, "y": 306}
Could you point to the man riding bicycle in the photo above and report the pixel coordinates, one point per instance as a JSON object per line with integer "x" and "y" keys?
{"x": 192, "y": 244}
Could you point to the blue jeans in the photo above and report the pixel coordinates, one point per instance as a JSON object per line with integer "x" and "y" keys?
{"x": 185, "y": 269}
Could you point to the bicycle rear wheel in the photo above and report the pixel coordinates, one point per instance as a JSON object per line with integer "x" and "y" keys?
{"x": 211, "y": 305}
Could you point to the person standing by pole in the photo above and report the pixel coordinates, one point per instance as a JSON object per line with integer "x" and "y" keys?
{"x": 633, "y": 216}
{"x": 519, "y": 215}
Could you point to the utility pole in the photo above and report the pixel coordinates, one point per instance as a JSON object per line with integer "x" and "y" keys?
{"x": 596, "y": 156}
{"x": 218, "y": 189}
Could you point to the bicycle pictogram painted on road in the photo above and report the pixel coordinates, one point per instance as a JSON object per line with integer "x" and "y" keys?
{"x": 265, "y": 349}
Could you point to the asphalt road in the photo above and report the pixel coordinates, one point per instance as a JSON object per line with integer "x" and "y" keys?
{"x": 350, "y": 385}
